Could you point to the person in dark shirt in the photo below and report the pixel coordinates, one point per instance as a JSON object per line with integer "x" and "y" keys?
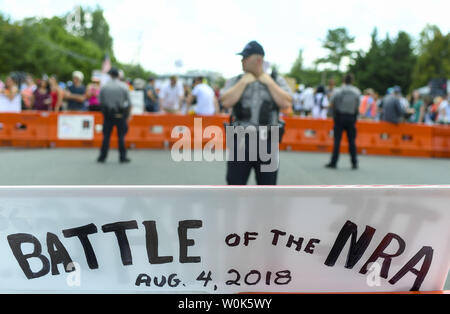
{"x": 255, "y": 98}
{"x": 116, "y": 108}
{"x": 393, "y": 111}
{"x": 76, "y": 93}
{"x": 151, "y": 97}
{"x": 345, "y": 103}
{"x": 41, "y": 98}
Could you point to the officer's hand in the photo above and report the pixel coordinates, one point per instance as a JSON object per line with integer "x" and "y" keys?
{"x": 248, "y": 78}
{"x": 265, "y": 78}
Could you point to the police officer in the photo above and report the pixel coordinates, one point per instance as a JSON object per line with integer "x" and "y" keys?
{"x": 256, "y": 99}
{"x": 116, "y": 108}
{"x": 345, "y": 103}
{"x": 392, "y": 110}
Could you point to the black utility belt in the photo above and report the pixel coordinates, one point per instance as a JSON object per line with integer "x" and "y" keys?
{"x": 114, "y": 112}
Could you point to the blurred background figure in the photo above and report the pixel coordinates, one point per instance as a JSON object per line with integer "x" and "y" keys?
{"x": 403, "y": 100}
{"x": 27, "y": 92}
{"x": 418, "y": 107}
{"x": 129, "y": 83}
{"x": 187, "y": 92}
{"x": 308, "y": 101}
{"x": 433, "y": 110}
{"x": 41, "y": 97}
{"x": 217, "y": 95}
{"x": 368, "y": 109}
{"x": 297, "y": 105}
{"x": 172, "y": 96}
{"x": 331, "y": 88}
{"x": 444, "y": 111}
{"x": 202, "y": 100}
{"x": 151, "y": 99}
{"x": 56, "y": 94}
{"x": 321, "y": 104}
{"x": 116, "y": 108}
{"x": 393, "y": 111}
{"x": 93, "y": 94}
{"x": 11, "y": 100}
{"x": 76, "y": 93}
{"x": 345, "y": 103}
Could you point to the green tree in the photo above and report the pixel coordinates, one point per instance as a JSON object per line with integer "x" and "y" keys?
{"x": 434, "y": 57}
{"x": 49, "y": 46}
{"x": 99, "y": 32}
{"x": 43, "y": 46}
{"x": 136, "y": 71}
{"x": 337, "y": 42}
{"x": 297, "y": 67}
{"x": 311, "y": 76}
{"x": 64, "y": 52}
{"x": 12, "y": 47}
{"x": 388, "y": 62}
{"x": 404, "y": 61}
{"x": 90, "y": 24}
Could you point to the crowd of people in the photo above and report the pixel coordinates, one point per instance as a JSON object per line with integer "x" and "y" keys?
{"x": 48, "y": 94}
{"x": 394, "y": 107}
{"x": 196, "y": 98}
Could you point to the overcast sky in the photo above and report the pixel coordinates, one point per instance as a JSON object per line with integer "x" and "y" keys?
{"x": 206, "y": 34}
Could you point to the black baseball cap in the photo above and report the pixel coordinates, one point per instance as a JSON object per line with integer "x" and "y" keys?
{"x": 114, "y": 72}
{"x": 252, "y": 48}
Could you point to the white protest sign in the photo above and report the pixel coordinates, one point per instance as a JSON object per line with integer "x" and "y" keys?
{"x": 10, "y": 106}
{"x": 223, "y": 239}
{"x": 76, "y": 127}
{"x": 137, "y": 102}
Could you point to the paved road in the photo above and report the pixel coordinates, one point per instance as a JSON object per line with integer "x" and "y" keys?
{"x": 78, "y": 167}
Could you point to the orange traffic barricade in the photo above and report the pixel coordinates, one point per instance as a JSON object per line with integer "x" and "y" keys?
{"x": 146, "y": 132}
{"x": 381, "y": 138}
{"x": 162, "y": 131}
{"x": 441, "y": 141}
{"x": 76, "y": 130}
{"x": 26, "y": 130}
{"x": 304, "y": 134}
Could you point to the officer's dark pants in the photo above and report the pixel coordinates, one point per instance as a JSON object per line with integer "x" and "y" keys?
{"x": 347, "y": 123}
{"x": 238, "y": 172}
{"x": 122, "y": 129}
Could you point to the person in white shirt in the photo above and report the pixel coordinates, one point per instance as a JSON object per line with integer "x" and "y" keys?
{"x": 171, "y": 96}
{"x": 444, "y": 112}
{"x": 207, "y": 104}
{"x": 298, "y": 101}
{"x": 10, "y": 98}
{"x": 308, "y": 100}
{"x": 321, "y": 104}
